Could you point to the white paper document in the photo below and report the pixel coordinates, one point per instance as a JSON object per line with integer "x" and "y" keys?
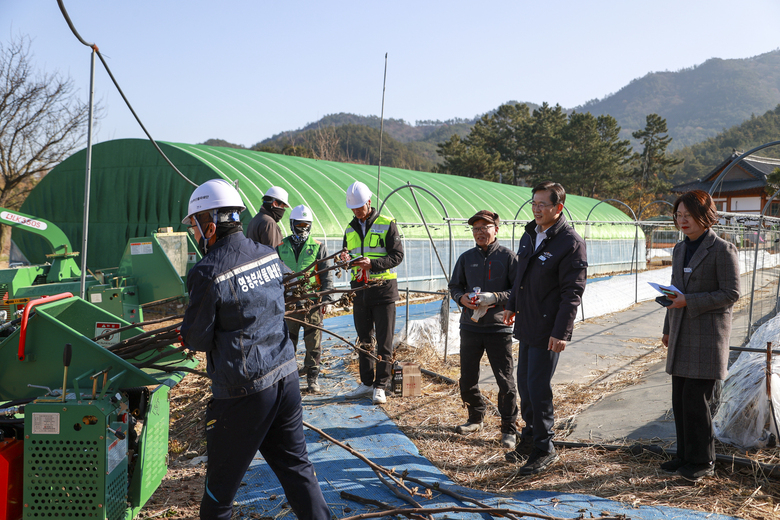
{"x": 660, "y": 288}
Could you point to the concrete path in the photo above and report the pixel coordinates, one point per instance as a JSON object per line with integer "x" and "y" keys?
{"x": 603, "y": 346}
{"x": 600, "y": 348}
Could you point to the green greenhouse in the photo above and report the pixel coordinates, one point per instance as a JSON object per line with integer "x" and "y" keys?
{"x": 134, "y": 192}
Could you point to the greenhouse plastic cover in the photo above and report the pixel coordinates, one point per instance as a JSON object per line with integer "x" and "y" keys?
{"x": 744, "y": 417}
{"x": 134, "y": 191}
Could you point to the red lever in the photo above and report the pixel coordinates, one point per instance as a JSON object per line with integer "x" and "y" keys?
{"x": 26, "y": 315}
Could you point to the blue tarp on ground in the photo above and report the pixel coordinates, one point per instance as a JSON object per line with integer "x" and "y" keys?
{"x": 367, "y": 429}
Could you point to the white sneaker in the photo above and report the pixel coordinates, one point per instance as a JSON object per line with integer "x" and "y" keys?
{"x": 379, "y": 396}
{"x": 360, "y": 391}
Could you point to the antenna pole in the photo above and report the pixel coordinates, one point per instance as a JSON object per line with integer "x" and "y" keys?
{"x": 381, "y": 131}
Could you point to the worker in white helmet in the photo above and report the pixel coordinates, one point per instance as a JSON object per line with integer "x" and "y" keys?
{"x": 375, "y": 249}
{"x": 236, "y": 316}
{"x": 298, "y": 251}
{"x": 263, "y": 228}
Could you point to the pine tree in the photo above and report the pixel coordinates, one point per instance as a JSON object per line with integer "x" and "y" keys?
{"x": 653, "y": 167}
{"x": 596, "y": 158}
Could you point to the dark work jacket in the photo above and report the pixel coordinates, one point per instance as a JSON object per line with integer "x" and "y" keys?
{"x": 546, "y": 293}
{"x": 236, "y": 316}
{"x": 263, "y": 229}
{"x": 388, "y": 291}
{"x": 492, "y": 271}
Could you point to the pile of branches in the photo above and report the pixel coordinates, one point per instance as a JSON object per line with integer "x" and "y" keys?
{"x": 302, "y": 291}
{"x": 152, "y": 349}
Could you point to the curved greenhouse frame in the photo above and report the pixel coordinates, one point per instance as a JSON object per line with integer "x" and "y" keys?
{"x": 135, "y": 192}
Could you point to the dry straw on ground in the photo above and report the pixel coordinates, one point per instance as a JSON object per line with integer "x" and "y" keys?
{"x": 477, "y": 461}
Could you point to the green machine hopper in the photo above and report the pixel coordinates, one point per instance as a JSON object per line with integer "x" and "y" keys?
{"x": 152, "y": 269}
{"x": 94, "y": 426}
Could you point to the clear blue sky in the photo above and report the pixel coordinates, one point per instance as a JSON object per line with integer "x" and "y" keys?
{"x": 243, "y": 70}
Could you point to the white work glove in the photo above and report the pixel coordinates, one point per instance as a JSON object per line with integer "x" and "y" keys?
{"x": 478, "y": 313}
{"x": 486, "y": 299}
{"x": 326, "y": 309}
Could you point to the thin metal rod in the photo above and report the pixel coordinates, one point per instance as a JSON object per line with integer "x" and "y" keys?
{"x": 427, "y": 230}
{"x": 87, "y": 180}
{"x": 446, "y": 219}
{"x": 753, "y": 275}
{"x": 407, "y": 312}
{"x": 381, "y": 131}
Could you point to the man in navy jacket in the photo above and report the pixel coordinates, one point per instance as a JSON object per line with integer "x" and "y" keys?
{"x": 236, "y": 316}
{"x": 551, "y": 273}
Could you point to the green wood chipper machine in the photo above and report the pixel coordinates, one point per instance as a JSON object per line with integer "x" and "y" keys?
{"x": 83, "y": 430}
{"x": 151, "y": 269}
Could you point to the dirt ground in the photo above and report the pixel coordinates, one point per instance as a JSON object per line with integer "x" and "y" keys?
{"x": 477, "y": 461}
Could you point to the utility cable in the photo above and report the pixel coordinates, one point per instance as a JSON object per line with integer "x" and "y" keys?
{"x": 94, "y": 47}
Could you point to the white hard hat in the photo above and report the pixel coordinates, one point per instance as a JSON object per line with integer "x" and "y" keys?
{"x": 358, "y": 195}
{"x": 301, "y": 213}
{"x": 275, "y": 192}
{"x": 213, "y": 194}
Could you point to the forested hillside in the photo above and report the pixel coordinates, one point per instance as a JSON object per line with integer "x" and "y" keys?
{"x": 349, "y": 143}
{"x": 698, "y": 102}
{"x": 704, "y": 104}
{"x": 701, "y": 158}
{"x": 418, "y": 141}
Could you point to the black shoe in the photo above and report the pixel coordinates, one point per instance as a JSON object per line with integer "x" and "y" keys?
{"x": 694, "y": 472}
{"x": 521, "y": 452}
{"x": 468, "y": 427}
{"x": 538, "y": 462}
{"x": 671, "y": 466}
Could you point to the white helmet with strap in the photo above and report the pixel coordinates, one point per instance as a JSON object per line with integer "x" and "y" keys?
{"x": 358, "y": 195}
{"x": 213, "y": 194}
{"x": 299, "y": 215}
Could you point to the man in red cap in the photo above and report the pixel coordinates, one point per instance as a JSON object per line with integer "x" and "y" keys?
{"x": 480, "y": 283}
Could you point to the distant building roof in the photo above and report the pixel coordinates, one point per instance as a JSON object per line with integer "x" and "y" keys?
{"x": 749, "y": 175}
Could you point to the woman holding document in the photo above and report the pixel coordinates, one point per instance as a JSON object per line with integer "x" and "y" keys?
{"x": 697, "y": 328}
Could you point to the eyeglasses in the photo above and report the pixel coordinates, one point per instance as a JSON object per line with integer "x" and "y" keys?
{"x": 482, "y": 229}
{"x": 679, "y": 216}
{"x": 540, "y": 205}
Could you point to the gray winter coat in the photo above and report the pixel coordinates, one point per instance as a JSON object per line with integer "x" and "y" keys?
{"x": 699, "y": 333}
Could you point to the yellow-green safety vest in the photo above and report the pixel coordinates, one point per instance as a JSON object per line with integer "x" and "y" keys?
{"x": 307, "y": 256}
{"x": 373, "y": 246}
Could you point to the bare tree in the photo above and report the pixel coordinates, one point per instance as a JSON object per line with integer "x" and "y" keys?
{"x": 42, "y": 122}
{"x": 323, "y": 143}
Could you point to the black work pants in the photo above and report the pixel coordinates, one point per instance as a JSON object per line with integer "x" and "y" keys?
{"x": 535, "y": 369}
{"x": 381, "y": 319}
{"x": 498, "y": 347}
{"x": 312, "y": 338}
{"x": 692, "y": 419}
{"x": 269, "y": 421}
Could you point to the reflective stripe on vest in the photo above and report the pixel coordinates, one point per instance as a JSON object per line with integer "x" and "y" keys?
{"x": 307, "y": 256}
{"x": 372, "y": 246}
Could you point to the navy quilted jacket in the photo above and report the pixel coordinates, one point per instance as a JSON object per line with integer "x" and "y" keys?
{"x": 236, "y": 316}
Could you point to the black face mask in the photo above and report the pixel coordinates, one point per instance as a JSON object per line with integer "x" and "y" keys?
{"x": 277, "y": 213}
{"x": 203, "y": 246}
